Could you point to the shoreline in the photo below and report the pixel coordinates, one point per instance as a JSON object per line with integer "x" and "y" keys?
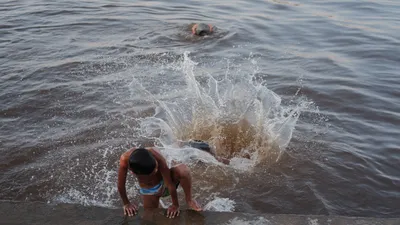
{"x": 42, "y": 213}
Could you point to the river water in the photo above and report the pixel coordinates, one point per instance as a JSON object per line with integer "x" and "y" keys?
{"x": 302, "y": 96}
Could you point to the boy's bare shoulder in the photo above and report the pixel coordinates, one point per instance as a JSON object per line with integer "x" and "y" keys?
{"x": 125, "y": 155}
{"x": 155, "y": 152}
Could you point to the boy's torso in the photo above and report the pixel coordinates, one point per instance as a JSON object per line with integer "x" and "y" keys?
{"x": 147, "y": 181}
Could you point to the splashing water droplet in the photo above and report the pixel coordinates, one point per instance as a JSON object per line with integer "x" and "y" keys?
{"x": 237, "y": 115}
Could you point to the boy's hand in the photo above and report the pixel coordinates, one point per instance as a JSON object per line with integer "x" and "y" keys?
{"x": 130, "y": 209}
{"x": 172, "y": 211}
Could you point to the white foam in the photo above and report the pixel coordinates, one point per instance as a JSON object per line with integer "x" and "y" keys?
{"x": 98, "y": 189}
{"x": 220, "y": 205}
{"x": 74, "y": 196}
{"x": 258, "y": 221}
{"x": 242, "y": 164}
{"x": 312, "y": 221}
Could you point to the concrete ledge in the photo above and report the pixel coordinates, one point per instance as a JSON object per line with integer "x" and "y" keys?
{"x": 69, "y": 214}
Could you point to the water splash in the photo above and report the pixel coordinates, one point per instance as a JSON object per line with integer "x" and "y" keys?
{"x": 238, "y": 115}
{"x": 101, "y": 192}
{"x": 220, "y": 205}
{"x": 91, "y": 183}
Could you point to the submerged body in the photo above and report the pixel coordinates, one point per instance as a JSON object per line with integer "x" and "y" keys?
{"x": 204, "y": 146}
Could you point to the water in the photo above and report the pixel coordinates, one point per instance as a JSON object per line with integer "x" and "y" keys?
{"x": 302, "y": 96}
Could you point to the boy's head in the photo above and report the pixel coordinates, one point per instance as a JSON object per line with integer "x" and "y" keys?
{"x": 142, "y": 162}
{"x": 202, "y": 29}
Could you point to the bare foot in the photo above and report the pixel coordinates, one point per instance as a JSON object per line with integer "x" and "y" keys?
{"x": 194, "y": 205}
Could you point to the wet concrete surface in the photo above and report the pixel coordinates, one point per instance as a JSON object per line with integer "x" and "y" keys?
{"x": 68, "y": 214}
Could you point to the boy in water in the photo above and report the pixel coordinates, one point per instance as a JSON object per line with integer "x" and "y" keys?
{"x": 155, "y": 180}
{"x": 202, "y": 29}
{"x": 204, "y": 146}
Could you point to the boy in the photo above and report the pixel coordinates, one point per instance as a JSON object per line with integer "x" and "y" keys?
{"x": 204, "y": 146}
{"x": 202, "y": 29}
{"x": 155, "y": 180}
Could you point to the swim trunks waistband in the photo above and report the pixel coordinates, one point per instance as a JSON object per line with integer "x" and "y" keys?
{"x": 152, "y": 191}
{"x": 159, "y": 189}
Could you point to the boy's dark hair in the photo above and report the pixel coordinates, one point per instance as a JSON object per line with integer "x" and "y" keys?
{"x": 142, "y": 162}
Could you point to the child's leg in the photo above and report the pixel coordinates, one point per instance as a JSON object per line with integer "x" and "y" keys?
{"x": 181, "y": 173}
{"x": 150, "y": 201}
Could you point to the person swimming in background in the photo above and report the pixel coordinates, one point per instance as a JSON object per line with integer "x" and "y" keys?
{"x": 204, "y": 146}
{"x": 155, "y": 180}
{"x": 202, "y": 29}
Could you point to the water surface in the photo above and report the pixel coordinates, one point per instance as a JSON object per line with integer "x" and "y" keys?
{"x": 313, "y": 83}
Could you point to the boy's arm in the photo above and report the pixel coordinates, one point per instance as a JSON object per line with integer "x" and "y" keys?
{"x": 129, "y": 209}
{"x": 122, "y": 172}
{"x": 166, "y": 174}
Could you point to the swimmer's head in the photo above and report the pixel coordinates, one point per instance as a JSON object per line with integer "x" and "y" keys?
{"x": 142, "y": 162}
{"x": 202, "y": 29}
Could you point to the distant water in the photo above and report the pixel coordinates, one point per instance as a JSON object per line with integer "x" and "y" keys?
{"x": 304, "y": 97}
